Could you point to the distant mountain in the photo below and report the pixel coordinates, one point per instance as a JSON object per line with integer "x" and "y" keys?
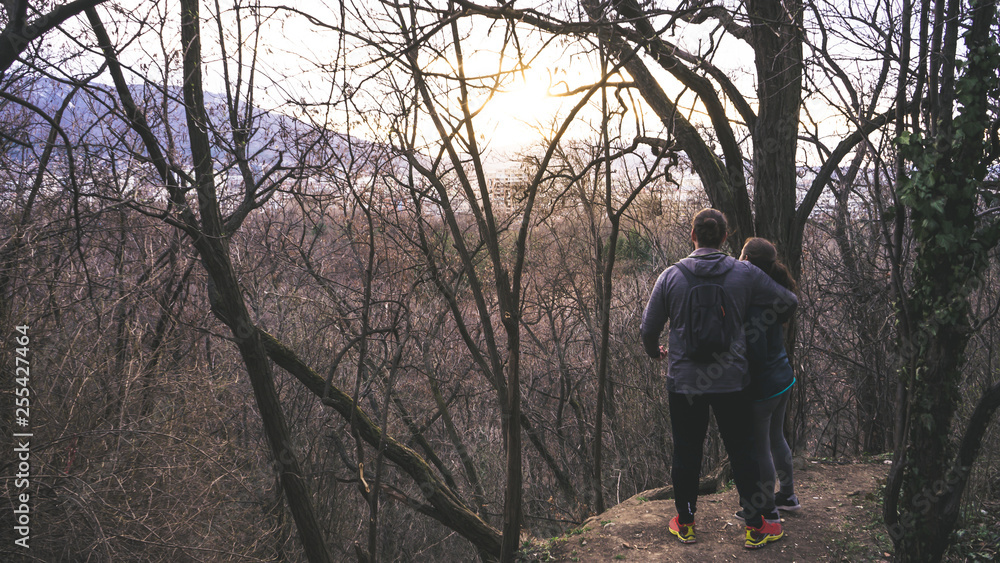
{"x": 94, "y": 118}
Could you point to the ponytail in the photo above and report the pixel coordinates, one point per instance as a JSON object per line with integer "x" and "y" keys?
{"x": 761, "y": 253}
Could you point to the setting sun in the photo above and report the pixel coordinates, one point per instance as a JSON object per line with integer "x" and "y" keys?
{"x": 517, "y": 103}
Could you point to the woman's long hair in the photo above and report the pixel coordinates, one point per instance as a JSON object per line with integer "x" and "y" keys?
{"x": 761, "y": 253}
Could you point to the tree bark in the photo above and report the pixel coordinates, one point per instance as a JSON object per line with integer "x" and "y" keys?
{"x": 776, "y": 31}
{"x": 942, "y": 192}
{"x": 18, "y": 33}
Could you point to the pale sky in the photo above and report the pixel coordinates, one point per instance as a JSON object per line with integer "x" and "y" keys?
{"x": 291, "y": 50}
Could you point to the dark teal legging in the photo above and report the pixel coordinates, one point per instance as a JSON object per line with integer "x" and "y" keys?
{"x": 774, "y": 457}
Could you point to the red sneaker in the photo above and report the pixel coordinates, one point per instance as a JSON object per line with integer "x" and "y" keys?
{"x": 684, "y": 532}
{"x": 759, "y": 537}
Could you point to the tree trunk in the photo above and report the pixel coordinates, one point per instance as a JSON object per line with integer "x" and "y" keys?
{"x": 776, "y": 31}
{"x": 18, "y": 33}
{"x": 213, "y": 247}
{"x": 445, "y": 506}
{"x": 512, "y": 426}
{"x": 941, "y": 192}
{"x": 211, "y": 242}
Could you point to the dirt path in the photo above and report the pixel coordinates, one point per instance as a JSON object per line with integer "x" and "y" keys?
{"x": 835, "y": 499}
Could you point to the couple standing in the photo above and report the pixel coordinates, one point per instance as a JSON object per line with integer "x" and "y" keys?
{"x": 726, "y": 351}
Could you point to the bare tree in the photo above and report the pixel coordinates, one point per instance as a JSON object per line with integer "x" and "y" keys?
{"x": 424, "y": 308}
{"x": 946, "y": 191}
{"x": 24, "y": 22}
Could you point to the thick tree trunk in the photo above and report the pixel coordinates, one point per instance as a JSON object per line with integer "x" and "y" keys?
{"x": 513, "y": 490}
{"x": 930, "y": 478}
{"x": 942, "y": 191}
{"x": 776, "y": 31}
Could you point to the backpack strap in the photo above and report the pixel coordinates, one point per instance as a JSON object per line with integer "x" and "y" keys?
{"x": 688, "y": 274}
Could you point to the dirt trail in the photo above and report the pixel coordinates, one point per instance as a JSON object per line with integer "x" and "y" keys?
{"x": 835, "y": 498}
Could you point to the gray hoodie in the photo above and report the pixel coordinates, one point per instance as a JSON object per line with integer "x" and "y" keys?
{"x": 745, "y": 285}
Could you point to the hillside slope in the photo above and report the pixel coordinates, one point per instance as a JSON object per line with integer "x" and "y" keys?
{"x": 835, "y": 498}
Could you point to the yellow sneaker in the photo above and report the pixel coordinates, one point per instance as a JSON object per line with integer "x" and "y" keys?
{"x": 759, "y": 537}
{"x": 684, "y": 532}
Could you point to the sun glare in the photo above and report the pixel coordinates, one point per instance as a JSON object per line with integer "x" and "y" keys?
{"x": 526, "y": 107}
{"x": 521, "y": 111}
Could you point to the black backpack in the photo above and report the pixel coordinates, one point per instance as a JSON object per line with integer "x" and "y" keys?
{"x": 709, "y": 331}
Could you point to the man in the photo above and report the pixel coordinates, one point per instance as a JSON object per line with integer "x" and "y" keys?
{"x": 705, "y": 298}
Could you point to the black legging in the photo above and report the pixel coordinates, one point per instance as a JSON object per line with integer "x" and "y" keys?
{"x": 734, "y": 416}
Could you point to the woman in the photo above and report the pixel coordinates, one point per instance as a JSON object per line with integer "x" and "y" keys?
{"x": 771, "y": 379}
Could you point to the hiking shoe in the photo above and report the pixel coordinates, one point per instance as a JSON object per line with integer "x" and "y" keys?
{"x": 741, "y": 515}
{"x": 769, "y": 531}
{"x": 788, "y": 504}
{"x": 684, "y": 532}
